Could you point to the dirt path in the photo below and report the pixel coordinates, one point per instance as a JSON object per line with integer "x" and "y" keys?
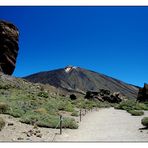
{"x": 107, "y": 125}
{"x": 103, "y": 125}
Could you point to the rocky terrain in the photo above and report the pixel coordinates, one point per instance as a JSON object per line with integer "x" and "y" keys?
{"x": 143, "y": 94}
{"x": 81, "y": 80}
{"x": 9, "y": 36}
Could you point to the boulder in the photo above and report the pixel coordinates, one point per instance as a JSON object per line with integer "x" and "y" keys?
{"x": 73, "y": 97}
{"x": 105, "y": 95}
{"x": 143, "y": 94}
{"x": 9, "y": 35}
{"x": 116, "y": 97}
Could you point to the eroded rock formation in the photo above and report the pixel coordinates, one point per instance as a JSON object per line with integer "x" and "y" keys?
{"x": 105, "y": 95}
{"x": 8, "y": 47}
{"x": 143, "y": 94}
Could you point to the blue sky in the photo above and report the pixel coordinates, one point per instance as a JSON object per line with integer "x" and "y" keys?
{"x": 110, "y": 40}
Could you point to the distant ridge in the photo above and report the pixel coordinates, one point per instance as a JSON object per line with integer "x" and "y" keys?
{"x": 78, "y": 79}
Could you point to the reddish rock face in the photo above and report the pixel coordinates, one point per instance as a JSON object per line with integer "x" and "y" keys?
{"x": 143, "y": 94}
{"x": 8, "y": 47}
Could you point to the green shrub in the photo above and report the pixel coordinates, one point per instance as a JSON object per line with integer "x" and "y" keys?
{"x": 141, "y": 106}
{"x": 126, "y": 105}
{"x": 46, "y": 120}
{"x": 43, "y": 94}
{"x": 75, "y": 113}
{"x": 104, "y": 104}
{"x": 70, "y": 123}
{"x": 144, "y": 121}
{"x": 41, "y": 111}
{"x": 131, "y": 105}
{"x": 65, "y": 105}
{"x": 15, "y": 112}
{"x": 135, "y": 112}
{"x": 2, "y": 123}
{"x": 42, "y": 120}
{"x": 3, "y": 107}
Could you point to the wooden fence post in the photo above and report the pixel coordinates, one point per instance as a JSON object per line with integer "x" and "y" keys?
{"x": 80, "y": 115}
{"x": 60, "y": 124}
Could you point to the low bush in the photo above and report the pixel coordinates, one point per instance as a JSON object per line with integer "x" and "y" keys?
{"x": 136, "y": 112}
{"x": 39, "y": 119}
{"x": 43, "y": 94}
{"x": 2, "y": 123}
{"x": 141, "y": 106}
{"x": 75, "y": 113}
{"x": 46, "y": 120}
{"x": 41, "y": 111}
{"x": 73, "y": 97}
{"x": 15, "y": 112}
{"x": 144, "y": 121}
{"x": 3, "y": 107}
{"x": 132, "y": 107}
{"x": 126, "y": 105}
{"x": 70, "y": 123}
{"x": 65, "y": 105}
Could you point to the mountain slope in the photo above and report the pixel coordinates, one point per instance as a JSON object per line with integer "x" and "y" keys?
{"x": 82, "y": 80}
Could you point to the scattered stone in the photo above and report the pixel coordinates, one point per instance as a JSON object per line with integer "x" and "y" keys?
{"x": 27, "y": 138}
{"x": 38, "y": 131}
{"x": 28, "y": 135}
{"x": 30, "y": 131}
{"x": 20, "y": 138}
{"x": 10, "y": 117}
{"x": 13, "y": 139}
{"x": 10, "y": 124}
{"x": 35, "y": 127}
{"x": 39, "y": 135}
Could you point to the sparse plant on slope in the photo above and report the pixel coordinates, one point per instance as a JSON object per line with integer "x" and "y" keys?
{"x": 136, "y": 112}
{"x": 144, "y": 122}
{"x": 75, "y": 113}
{"x": 2, "y": 123}
{"x": 65, "y": 105}
{"x": 3, "y": 107}
{"x": 43, "y": 94}
{"x": 47, "y": 120}
{"x": 132, "y": 106}
{"x": 126, "y": 105}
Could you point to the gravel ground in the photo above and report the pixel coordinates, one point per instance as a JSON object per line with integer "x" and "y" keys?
{"x": 107, "y": 125}
{"x": 17, "y": 131}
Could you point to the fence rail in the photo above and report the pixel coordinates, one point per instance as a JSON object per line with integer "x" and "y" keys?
{"x": 82, "y": 112}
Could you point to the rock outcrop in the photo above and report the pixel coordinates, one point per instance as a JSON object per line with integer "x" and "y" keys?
{"x": 143, "y": 94}
{"x": 105, "y": 95}
{"x": 9, "y": 35}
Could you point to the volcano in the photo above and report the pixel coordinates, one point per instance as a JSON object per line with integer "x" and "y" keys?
{"x": 72, "y": 78}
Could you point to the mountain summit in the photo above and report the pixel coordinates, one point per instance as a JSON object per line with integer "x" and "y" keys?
{"x": 77, "y": 79}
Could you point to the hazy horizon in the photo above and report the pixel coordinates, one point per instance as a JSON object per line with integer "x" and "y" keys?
{"x": 108, "y": 40}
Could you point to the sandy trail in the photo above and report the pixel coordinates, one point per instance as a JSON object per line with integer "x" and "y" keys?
{"x": 97, "y": 126}
{"x": 107, "y": 125}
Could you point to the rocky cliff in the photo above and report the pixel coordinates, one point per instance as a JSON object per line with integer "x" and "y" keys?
{"x": 9, "y": 35}
{"x": 143, "y": 94}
